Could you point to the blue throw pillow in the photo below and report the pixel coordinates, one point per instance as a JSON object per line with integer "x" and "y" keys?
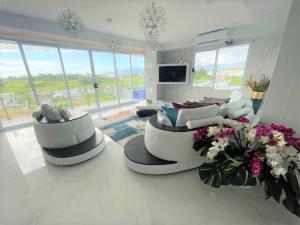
{"x": 171, "y": 113}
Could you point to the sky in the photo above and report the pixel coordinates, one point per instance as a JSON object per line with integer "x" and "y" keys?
{"x": 235, "y": 56}
{"x": 46, "y": 60}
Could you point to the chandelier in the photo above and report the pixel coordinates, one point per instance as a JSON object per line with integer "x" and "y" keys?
{"x": 152, "y": 22}
{"x": 70, "y": 23}
{"x": 110, "y": 41}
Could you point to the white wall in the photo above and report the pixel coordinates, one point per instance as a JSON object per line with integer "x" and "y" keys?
{"x": 283, "y": 99}
{"x": 261, "y": 60}
{"x": 12, "y": 21}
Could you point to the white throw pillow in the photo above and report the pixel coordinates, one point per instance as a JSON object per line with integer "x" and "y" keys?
{"x": 163, "y": 119}
{"x": 37, "y": 113}
{"x": 235, "y": 96}
{"x": 233, "y": 105}
{"x": 238, "y": 113}
{"x": 51, "y": 113}
{"x": 185, "y": 115}
{"x": 204, "y": 122}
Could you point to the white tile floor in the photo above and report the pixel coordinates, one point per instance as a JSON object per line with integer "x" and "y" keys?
{"x": 104, "y": 191}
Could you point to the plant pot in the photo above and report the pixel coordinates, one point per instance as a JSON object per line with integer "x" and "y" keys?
{"x": 257, "y": 98}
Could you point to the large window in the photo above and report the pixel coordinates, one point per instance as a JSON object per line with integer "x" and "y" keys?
{"x": 138, "y": 77}
{"x": 79, "y": 78}
{"x": 222, "y": 68}
{"x": 105, "y": 76}
{"x": 16, "y": 98}
{"x": 124, "y": 74}
{"x": 45, "y": 68}
{"x": 31, "y": 74}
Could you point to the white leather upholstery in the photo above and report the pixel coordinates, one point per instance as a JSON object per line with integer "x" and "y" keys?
{"x": 168, "y": 145}
{"x": 204, "y": 122}
{"x": 185, "y": 115}
{"x": 163, "y": 119}
{"x": 239, "y": 112}
{"x": 64, "y": 134}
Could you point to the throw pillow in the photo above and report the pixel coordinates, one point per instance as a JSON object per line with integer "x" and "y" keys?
{"x": 37, "y": 113}
{"x": 51, "y": 113}
{"x": 172, "y": 114}
{"x": 64, "y": 113}
{"x": 163, "y": 119}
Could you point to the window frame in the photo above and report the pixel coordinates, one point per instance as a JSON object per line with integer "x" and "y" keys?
{"x": 58, "y": 47}
{"x": 217, "y": 49}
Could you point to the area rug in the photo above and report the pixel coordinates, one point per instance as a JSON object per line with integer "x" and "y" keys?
{"x": 122, "y": 130}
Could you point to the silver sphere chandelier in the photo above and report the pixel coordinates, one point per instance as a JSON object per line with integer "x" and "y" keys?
{"x": 70, "y": 23}
{"x": 110, "y": 41}
{"x": 152, "y": 22}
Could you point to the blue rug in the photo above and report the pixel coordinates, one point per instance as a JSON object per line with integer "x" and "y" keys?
{"x": 123, "y": 130}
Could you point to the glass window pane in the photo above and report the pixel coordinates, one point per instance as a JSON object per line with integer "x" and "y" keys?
{"x": 204, "y": 68}
{"x": 78, "y": 71}
{"x": 230, "y": 68}
{"x": 138, "y": 77}
{"x": 16, "y": 98}
{"x": 105, "y": 75}
{"x": 123, "y": 68}
{"x": 45, "y": 68}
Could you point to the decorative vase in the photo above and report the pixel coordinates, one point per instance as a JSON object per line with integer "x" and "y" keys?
{"x": 257, "y": 98}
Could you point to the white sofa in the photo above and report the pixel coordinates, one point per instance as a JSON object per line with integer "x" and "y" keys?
{"x": 205, "y": 116}
{"x": 68, "y": 142}
{"x": 66, "y": 133}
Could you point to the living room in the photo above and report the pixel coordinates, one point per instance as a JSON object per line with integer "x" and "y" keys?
{"x": 149, "y": 112}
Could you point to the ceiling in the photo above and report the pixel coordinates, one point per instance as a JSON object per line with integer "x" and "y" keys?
{"x": 185, "y": 18}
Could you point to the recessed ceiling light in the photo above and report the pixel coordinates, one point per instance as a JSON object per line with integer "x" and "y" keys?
{"x": 208, "y": 1}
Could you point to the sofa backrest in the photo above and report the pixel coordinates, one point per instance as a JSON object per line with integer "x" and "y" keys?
{"x": 185, "y": 115}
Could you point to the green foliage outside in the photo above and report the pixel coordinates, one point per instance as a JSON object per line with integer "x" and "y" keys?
{"x": 52, "y": 87}
{"x": 201, "y": 76}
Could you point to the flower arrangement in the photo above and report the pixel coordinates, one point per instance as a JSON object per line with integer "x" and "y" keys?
{"x": 238, "y": 154}
{"x": 258, "y": 86}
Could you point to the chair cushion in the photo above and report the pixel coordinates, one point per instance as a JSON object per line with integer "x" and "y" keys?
{"x": 172, "y": 114}
{"x": 238, "y": 113}
{"x": 185, "y": 115}
{"x": 204, "y": 122}
{"x": 163, "y": 119}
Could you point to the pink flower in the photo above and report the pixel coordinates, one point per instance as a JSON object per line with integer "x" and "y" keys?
{"x": 242, "y": 119}
{"x": 224, "y": 132}
{"x": 200, "y": 134}
{"x": 262, "y": 130}
{"x": 256, "y": 165}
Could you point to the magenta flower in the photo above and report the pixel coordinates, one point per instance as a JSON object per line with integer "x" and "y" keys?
{"x": 262, "y": 130}
{"x": 242, "y": 119}
{"x": 256, "y": 165}
{"x": 224, "y": 132}
{"x": 200, "y": 134}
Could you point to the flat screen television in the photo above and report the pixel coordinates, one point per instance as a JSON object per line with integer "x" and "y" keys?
{"x": 173, "y": 73}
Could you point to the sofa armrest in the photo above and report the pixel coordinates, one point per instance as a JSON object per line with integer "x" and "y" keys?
{"x": 192, "y": 124}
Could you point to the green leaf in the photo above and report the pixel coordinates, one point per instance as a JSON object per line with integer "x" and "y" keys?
{"x": 239, "y": 176}
{"x": 211, "y": 174}
{"x": 292, "y": 181}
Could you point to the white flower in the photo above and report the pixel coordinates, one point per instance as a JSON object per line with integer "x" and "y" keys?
{"x": 251, "y": 135}
{"x": 279, "y": 137}
{"x": 271, "y": 149}
{"x": 217, "y": 146}
{"x": 291, "y": 151}
{"x": 264, "y": 139}
{"x": 274, "y": 159}
{"x": 211, "y": 154}
{"x": 298, "y": 157}
{"x": 213, "y": 130}
{"x": 248, "y": 126}
{"x": 278, "y": 170}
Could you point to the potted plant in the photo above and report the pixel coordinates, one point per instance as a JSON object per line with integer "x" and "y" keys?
{"x": 258, "y": 91}
{"x": 237, "y": 154}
